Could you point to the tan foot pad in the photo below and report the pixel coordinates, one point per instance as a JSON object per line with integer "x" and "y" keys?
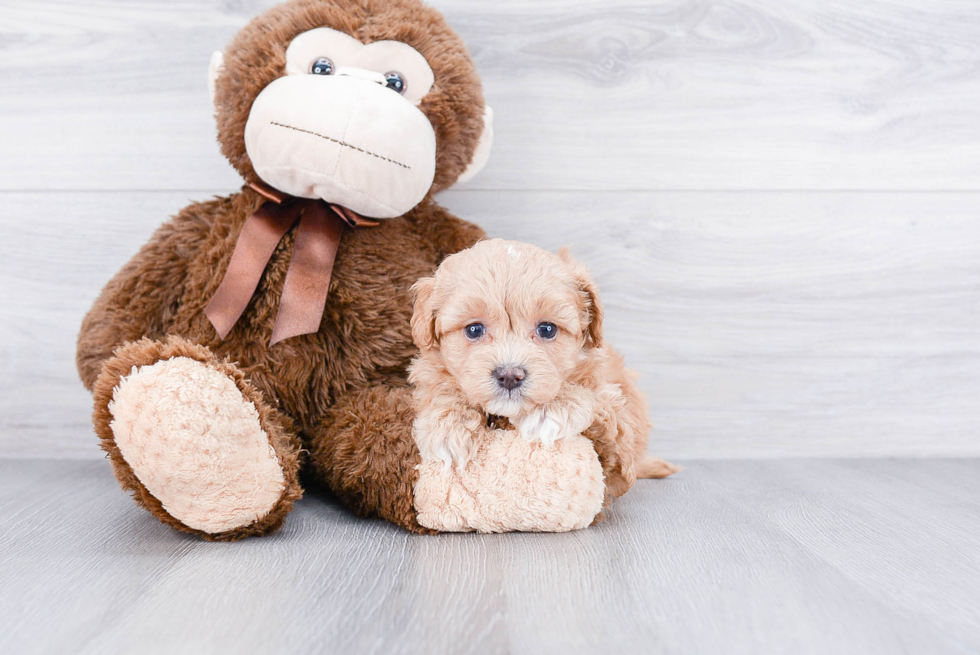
{"x": 512, "y": 485}
{"x": 196, "y": 444}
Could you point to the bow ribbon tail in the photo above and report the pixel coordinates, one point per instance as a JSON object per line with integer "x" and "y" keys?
{"x": 257, "y": 241}
{"x": 304, "y": 293}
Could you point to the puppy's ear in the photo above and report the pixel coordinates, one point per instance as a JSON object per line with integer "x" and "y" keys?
{"x": 588, "y": 286}
{"x": 423, "y": 318}
{"x": 590, "y": 293}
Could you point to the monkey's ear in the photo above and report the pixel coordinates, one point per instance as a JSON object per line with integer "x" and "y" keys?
{"x": 587, "y": 287}
{"x": 214, "y": 70}
{"x": 482, "y": 152}
{"x": 423, "y": 318}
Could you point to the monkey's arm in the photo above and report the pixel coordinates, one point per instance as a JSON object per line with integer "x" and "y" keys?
{"x": 136, "y": 301}
{"x": 364, "y": 452}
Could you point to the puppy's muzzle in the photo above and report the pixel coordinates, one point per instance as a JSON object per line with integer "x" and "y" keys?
{"x": 509, "y": 377}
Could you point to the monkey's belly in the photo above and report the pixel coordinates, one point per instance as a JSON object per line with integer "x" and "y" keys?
{"x": 513, "y": 486}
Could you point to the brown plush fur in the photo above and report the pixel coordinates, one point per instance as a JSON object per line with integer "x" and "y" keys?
{"x": 373, "y": 475}
{"x": 341, "y": 391}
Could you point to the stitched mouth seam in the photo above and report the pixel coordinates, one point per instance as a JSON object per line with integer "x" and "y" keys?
{"x": 342, "y": 143}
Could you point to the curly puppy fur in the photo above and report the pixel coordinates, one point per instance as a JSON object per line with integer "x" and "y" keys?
{"x": 341, "y": 391}
{"x": 571, "y": 383}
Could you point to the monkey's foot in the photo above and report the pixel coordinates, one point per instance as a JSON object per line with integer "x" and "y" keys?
{"x": 195, "y": 442}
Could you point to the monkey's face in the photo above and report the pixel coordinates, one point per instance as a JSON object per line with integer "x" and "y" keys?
{"x": 343, "y": 124}
{"x": 370, "y": 123}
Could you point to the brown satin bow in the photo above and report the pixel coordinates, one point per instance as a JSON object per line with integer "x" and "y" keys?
{"x": 304, "y": 292}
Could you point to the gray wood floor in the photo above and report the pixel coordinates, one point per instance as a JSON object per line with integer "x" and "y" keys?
{"x": 779, "y": 556}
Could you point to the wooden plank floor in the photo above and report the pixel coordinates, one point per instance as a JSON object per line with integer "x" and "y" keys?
{"x": 776, "y": 556}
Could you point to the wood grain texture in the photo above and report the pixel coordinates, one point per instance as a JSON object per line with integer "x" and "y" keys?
{"x": 588, "y": 94}
{"x": 783, "y": 556}
{"x": 763, "y": 324}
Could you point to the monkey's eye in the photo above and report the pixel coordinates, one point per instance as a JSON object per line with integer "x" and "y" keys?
{"x": 474, "y": 331}
{"x": 322, "y": 66}
{"x": 547, "y": 330}
{"x": 396, "y": 82}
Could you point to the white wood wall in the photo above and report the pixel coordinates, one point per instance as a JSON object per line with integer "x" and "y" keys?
{"x": 779, "y": 199}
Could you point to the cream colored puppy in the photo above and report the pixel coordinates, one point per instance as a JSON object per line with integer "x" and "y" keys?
{"x": 512, "y": 334}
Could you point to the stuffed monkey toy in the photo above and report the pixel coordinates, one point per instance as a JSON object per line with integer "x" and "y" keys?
{"x": 268, "y": 331}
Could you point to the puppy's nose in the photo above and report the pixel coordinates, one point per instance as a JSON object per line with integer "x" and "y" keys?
{"x": 509, "y": 377}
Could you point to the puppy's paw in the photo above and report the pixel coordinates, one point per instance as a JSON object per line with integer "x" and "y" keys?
{"x": 449, "y": 437}
{"x": 452, "y": 448}
{"x": 541, "y": 426}
{"x": 448, "y": 456}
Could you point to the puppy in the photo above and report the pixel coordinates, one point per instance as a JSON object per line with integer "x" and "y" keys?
{"x": 511, "y": 335}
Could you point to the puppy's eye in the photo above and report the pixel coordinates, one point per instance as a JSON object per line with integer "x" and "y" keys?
{"x": 547, "y": 330}
{"x": 322, "y": 66}
{"x": 474, "y": 331}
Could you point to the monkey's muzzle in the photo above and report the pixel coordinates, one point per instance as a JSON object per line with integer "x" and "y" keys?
{"x": 342, "y": 139}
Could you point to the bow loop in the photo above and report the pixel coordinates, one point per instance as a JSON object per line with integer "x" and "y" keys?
{"x": 304, "y": 293}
